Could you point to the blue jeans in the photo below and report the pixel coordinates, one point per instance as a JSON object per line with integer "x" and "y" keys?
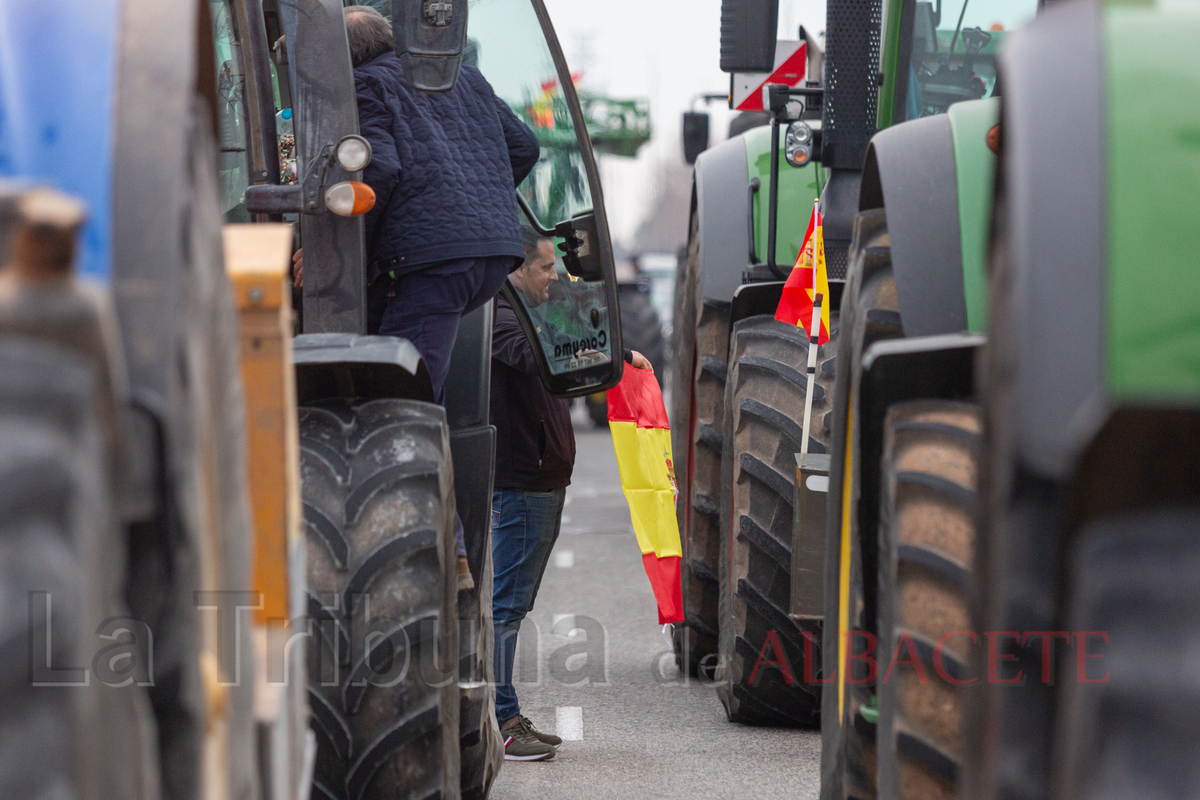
{"x": 525, "y": 526}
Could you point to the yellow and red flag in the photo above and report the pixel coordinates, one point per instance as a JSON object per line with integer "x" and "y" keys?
{"x": 641, "y": 436}
{"x": 808, "y": 278}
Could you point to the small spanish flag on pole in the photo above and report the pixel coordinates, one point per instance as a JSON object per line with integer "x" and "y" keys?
{"x": 641, "y": 436}
{"x": 807, "y": 280}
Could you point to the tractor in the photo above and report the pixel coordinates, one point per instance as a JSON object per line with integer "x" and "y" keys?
{"x": 157, "y": 489}
{"x": 364, "y": 397}
{"x": 758, "y": 551}
{"x": 135, "y": 670}
{"x": 992, "y": 502}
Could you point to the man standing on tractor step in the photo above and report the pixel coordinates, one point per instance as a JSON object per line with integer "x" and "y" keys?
{"x": 443, "y": 234}
{"x": 535, "y": 454}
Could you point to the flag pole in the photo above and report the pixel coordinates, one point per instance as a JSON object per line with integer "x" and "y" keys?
{"x": 814, "y": 333}
{"x": 813, "y": 337}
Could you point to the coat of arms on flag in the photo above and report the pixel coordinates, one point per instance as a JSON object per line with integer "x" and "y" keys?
{"x": 641, "y": 437}
{"x": 807, "y": 279}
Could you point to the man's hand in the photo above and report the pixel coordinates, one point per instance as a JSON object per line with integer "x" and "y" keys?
{"x": 640, "y": 361}
{"x": 298, "y": 267}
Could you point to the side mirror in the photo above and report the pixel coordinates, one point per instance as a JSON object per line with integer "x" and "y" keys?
{"x": 748, "y": 33}
{"x": 430, "y": 38}
{"x": 695, "y": 135}
{"x": 581, "y": 246}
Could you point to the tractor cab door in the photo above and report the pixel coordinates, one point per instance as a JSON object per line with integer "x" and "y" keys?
{"x": 574, "y": 322}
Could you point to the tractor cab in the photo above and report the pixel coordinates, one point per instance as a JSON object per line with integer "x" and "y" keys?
{"x": 306, "y": 97}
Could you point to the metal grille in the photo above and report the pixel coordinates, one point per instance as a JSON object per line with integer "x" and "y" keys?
{"x": 836, "y": 259}
{"x": 852, "y": 41}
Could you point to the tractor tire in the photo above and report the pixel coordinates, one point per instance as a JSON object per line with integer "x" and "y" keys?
{"x": 927, "y": 538}
{"x": 686, "y": 640}
{"x": 1127, "y": 704}
{"x": 480, "y": 742}
{"x": 378, "y": 495}
{"x": 764, "y": 405}
{"x": 869, "y": 313}
{"x": 62, "y": 572}
{"x": 641, "y": 329}
{"x": 697, "y": 639}
{"x": 597, "y": 409}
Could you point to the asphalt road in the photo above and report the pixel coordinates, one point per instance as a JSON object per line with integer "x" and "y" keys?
{"x": 634, "y": 727}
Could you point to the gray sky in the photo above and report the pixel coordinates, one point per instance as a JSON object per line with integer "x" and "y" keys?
{"x": 666, "y": 50}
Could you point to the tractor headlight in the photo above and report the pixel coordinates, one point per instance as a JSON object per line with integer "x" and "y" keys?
{"x": 353, "y": 153}
{"x": 797, "y": 144}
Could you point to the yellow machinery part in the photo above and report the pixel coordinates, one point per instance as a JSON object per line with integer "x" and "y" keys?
{"x": 256, "y": 259}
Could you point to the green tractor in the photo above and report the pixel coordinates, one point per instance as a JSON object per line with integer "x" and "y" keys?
{"x": 754, "y": 511}
{"x": 156, "y": 496}
{"x": 1088, "y": 480}
{"x": 992, "y": 497}
{"x": 750, "y": 203}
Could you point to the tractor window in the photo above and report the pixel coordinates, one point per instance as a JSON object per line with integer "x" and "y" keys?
{"x": 951, "y": 54}
{"x": 568, "y": 316}
{"x": 508, "y": 46}
{"x": 232, "y": 157}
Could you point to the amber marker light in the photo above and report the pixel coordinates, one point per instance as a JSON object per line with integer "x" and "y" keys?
{"x": 993, "y": 139}
{"x": 350, "y": 198}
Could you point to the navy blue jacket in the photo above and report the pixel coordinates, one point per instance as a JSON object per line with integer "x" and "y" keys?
{"x": 443, "y": 168}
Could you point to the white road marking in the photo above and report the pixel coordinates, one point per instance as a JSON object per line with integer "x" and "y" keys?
{"x": 563, "y": 625}
{"x": 564, "y": 559}
{"x": 568, "y": 723}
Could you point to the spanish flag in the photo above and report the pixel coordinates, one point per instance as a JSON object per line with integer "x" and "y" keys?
{"x": 641, "y": 436}
{"x": 808, "y": 278}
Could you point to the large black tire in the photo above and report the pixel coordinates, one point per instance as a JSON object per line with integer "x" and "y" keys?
{"x": 481, "y": 745}
{"x": 764, "y": 409}
{"x": 696, "y": 640}
{"x": 641, "y": 329}
{"x": 691, "y": 645}
{"x": 869, "y": 313}
{"x": 62, "y": 570}
{"x": 1131, "y": 728}
{"x": 379, "y": 516}
{"x": 927, "y": 539}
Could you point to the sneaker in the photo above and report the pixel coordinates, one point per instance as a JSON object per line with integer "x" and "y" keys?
{"x": 465, "y": 581}
{"x": 521, "y": 745}
{"x": 547, "y": 738}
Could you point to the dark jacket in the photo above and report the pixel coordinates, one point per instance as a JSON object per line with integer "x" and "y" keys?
{"x": 443, "y": 167}
{"x": 535, "y": 444}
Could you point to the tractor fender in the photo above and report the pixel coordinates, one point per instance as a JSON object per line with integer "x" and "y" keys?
{"x": 910, "y": 171}
{"x": 346, "y": 365}
{"x": 1053, "y": 235}
{"x": 723, "y": 209}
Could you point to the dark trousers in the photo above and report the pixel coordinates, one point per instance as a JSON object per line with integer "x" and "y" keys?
{"x": 426, "y": 306}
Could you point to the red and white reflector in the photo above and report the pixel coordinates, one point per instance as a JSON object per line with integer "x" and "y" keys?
{"x": 749, "y": 88}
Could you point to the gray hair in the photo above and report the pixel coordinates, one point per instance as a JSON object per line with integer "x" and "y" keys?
{"x": 369, "y": 32}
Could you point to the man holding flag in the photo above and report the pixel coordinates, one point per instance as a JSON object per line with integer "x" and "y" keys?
{"x": 535, "y": 455}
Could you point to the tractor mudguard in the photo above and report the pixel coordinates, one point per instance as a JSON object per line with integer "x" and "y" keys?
{"x": 1056, "y": 241}
{"x": 723, "y": 206}
{"x": 330, "y": 365}
{"x": 910, "y": 171}
{"x": 938, "y": 367}
{"x": 470, "y": 377}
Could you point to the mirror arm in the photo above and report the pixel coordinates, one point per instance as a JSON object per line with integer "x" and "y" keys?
{"x": 529, "y": 215}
